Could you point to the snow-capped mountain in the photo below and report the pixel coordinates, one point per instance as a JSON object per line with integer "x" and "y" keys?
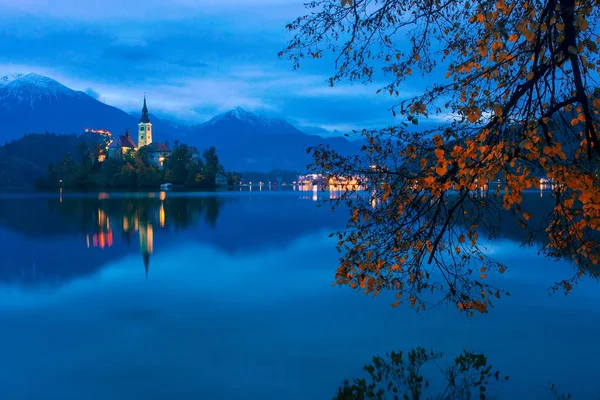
{"x": 33, "y": 103}
{"x": 237, "y": 113}
{"x": 245, "y": 141}
{"x": 9, "y": 78}
{"x": 31, "y": 89}
{"x": 239, "y": 121}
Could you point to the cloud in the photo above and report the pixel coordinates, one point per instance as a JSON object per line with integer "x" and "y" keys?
{"x": 189, "y": 63}
{"x": 92, "y": 93}
{"x": 192, "y": 58}
{"x": 143, "y": 54}
{"x": 147, "y": 10}
{"x": 129, "y": 53}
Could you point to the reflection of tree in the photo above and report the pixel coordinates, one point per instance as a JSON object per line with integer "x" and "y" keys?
{"x": 181, "y": 214}
{"x": 95, "y": 218}
{"x": 39, "y": 217}
{"x": 212, "y": 211}
{"x": 52, "y": 234}
{"x": 497, "y": 222}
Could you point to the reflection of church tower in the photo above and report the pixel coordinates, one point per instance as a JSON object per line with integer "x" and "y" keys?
{"x": 144, "y": 128}
{"x": 146, "y": 243}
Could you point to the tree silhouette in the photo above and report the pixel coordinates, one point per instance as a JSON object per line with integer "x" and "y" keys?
{"x": 518, "y": 99}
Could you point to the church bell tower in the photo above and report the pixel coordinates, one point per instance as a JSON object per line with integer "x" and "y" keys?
{"x": 144, "y": 128}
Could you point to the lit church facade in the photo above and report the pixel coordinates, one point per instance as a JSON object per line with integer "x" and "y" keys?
{"x": 157, "y": 152}
{"x": 144, "y": 128}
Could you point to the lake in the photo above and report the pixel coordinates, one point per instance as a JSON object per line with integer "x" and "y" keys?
{"x": 229, "y": 296}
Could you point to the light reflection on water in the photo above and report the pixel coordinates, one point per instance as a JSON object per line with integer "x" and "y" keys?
{"x": 229, "y": 296}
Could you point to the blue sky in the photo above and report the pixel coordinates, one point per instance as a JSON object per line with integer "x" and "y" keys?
{"x": 193, "y": 58}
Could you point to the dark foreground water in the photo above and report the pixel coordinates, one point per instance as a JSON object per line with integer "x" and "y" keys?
{"x": 229, "y": 296}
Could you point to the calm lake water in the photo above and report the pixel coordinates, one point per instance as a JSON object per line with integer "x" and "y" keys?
{"x": 229, "y": 296}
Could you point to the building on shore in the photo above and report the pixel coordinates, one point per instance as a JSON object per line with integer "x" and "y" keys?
{"x": 121, "y": 145}
{"x": 124, "y": 144}
{"x": 157, "y": 153}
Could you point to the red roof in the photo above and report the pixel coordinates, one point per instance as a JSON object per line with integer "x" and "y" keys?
{"x": 158, "y": 147}
{"x": 126, "y": 141}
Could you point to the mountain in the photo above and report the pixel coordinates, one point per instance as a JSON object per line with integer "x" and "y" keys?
{"x": 241, "y": 122}
{"x": 249, "y": 142}
{"x": 9, "y": 78}
{"x": 317, "y": 130}
{"x": 245, "y": 141}
{"x": 34, "y": 104}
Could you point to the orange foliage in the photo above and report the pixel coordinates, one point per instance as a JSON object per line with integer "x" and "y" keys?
{"x": 519, "y": 103}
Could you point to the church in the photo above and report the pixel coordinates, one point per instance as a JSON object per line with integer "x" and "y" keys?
{"x": 157, "y": 152}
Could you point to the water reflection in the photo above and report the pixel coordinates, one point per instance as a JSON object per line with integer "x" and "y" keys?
{"x": 239, "y": 290}
{"x": 95, "y": 223}
{"x": 146, "y": 243}
{"x": 44, "y": 232}
{"x": 65, "y": 236}
{"x": 140, "y": 215}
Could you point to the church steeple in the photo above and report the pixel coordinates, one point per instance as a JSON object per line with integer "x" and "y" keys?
{"x": 145, "y": 118}
{"x": 144, "y": 128}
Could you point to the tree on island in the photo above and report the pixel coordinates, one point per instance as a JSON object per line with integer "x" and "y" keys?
{"x": 517, "y": 92}
{"x": 212, "y": 167}
{"x": 131, "y": 170}
{"x": 178, "y": 165}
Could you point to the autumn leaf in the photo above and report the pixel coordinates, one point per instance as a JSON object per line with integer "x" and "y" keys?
{"x": 498, "y": 110}
{"x": 441, "y": 169}
{"x": 582, "y": 22}
{"x": 508, "y": 83}
{"x": 386, "y": 191}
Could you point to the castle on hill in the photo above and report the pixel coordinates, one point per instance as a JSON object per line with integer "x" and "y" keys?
{"x": 124, "y": 144}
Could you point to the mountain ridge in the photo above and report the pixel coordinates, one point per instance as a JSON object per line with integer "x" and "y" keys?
{"x": 32, "y": 103}
{"x": 21, "y": 82}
